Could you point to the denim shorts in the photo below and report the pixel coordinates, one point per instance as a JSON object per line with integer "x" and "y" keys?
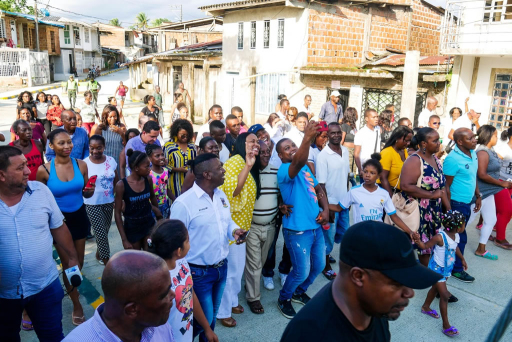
{"x": 438, "y": 269}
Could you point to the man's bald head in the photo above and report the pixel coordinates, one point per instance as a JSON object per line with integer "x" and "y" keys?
{"x": 66, "y": 114}
{"x": 460, "y": 133}
{"x": 464, "y": 138}
{"x": 126, "y": 275}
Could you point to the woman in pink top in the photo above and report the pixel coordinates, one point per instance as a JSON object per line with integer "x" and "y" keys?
{"x": 121, "y": 91}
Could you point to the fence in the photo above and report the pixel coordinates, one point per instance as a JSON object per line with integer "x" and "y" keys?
{"x": 32, "y": 67}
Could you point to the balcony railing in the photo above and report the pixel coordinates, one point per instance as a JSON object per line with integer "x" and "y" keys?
{"x": 478, "y": 27}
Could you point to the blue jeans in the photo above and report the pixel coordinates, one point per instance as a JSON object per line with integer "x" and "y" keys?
{"x": 209, "y": 286}
{"x": 329, "y": 235}
{"x": 43, "y": 308}
{"x": 342, "y": 224}
{"x": 465, "y": 209}
{"x": 307, "y": 253}
{"x": 284, "y": 266}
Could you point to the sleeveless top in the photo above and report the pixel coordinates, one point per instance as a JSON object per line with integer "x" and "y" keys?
{"x": 113, "y": 144}
{"x": 493, "y": 170}
{"x": 53, "y": 113}
{"x": 121, "y": 91}
{"x": 67, "y": 194}
{"x": 34, "y": 160}
{"x": 137, "y": 204}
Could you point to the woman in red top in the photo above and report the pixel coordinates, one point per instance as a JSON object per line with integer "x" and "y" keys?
{"x": 31, "y": 149}
{"x": 38, "y": 132}
{"x": 54, "y": 112}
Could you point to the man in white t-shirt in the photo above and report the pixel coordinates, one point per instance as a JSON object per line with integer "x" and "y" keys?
{"x": 215, "y": 113}
{"x": 285, "y": 105}
{"x": 367, "y": 140}
{"x": 469, "y": 121}
{"x": 218, "y": 132}
{"x": 296, "y": 133}
{"x": 427, "y": 112}
{"x": 332, "y": 168}
{"x": 306, "y": 107}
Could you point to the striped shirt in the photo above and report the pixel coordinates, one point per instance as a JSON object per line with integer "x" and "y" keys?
{"x": 177, "y": 158}
{"x": 95, "y": 330}
{"x": 266, "y": 207}
{"x": 26, "y": 256}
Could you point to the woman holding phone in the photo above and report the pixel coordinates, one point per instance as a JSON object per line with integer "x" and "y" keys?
{"x": 100, "y": 207}
{"x": 66, "y": 178}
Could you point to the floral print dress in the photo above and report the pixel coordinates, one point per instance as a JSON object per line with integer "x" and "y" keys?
{"x": 430, "y": 209}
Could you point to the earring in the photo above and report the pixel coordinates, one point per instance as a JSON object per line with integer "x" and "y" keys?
{"x": 424, "y": 150}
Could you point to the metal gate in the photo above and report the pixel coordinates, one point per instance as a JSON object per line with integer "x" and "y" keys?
{"x": 378, "y": 99}
{"x": 40, "y": 68}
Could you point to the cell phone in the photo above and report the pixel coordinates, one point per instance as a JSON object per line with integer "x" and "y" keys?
{"x": 91, "y": 182}
{"x": 322, "y": 125}
{"x": 243, "y": 236}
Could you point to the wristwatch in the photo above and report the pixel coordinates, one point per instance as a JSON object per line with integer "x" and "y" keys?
{"x": 479, "y": 195}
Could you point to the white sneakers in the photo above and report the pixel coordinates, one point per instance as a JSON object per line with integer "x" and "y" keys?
{"x": 268, "y": 282}
{"x": 283, "y": 278}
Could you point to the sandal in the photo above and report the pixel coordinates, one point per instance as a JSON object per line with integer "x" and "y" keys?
{"x": 431, "y": 313}
{"x": 330, "y": 275}
{"x": 503, "y": 245}
{"x": 29, "y": 323}
{"x": 487, "y": 255}
{"x": 450, "y": 332}
{"x": 256, "y": 307}
{"x": 237, "y": 309}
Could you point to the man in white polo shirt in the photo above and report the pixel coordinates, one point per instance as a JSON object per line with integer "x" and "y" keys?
{"x": 367, "y": 140}
{"x": 427, "y": 112}
{"x": 332, "y": 168}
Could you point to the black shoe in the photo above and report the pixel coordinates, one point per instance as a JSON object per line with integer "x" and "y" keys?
{"x": 332, "y": 260}
{"x": 90, "y": 236}
{"x": 463, "y": 276}
{"x": 286, "y": 308}
{"x": 452, "y": 298}
{"x": 301, "y": 299}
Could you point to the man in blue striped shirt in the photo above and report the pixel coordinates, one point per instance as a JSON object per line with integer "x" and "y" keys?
{"x": 78, "y": 137}
{"x": 31, "y": 222}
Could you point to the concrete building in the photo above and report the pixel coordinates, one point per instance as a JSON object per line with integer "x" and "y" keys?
{"x": 196, "y": 31}
{"x": 479, "y": 34}
{"x": 298, "y": 47}
{"x": 132, "y": 44}
{"x": 80, "y": 48}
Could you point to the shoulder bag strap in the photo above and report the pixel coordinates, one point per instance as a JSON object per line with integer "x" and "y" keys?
{"x": 376, "y": 140}
{"x": 420, "y": 178}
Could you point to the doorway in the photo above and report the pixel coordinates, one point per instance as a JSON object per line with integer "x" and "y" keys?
{"x": 70, "y": 57}
{"x": 343, "y": 100}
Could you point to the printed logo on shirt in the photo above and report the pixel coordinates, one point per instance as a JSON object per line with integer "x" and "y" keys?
{"x": 382, "y": 201}
{"x": 224, "y": 204}
{"x": 375, "y": 215}
{"x": 184, "y": 302}
{"x": 361, "y": 205}
{"x": 467, "y": 166}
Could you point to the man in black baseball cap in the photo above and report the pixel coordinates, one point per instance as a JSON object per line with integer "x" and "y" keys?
{"x": 378, "y": 272}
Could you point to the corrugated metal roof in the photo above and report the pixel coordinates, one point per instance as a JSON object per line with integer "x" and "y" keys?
{"x": 235, "y": 4}
{"x": 31, "y": 17}
{"x": 398, "y": 60}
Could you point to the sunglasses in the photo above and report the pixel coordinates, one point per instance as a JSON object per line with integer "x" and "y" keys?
{"x": 436, "y": 123}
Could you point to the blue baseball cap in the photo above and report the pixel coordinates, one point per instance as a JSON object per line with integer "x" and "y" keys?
{"x": 255, "y": 128}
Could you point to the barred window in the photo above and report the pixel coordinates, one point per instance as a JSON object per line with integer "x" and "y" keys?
{"x": 253, "y": 34}
{"x": 240, "y": 36}
{"x": 280, "y": 33}
{"x": 266, "y": 34}
{"x": 500, "y": 115}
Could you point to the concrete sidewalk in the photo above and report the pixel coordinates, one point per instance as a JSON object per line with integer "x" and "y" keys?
{"x": 12, "y": 94}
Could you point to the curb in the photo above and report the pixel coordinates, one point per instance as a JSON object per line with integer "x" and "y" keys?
{"x": 59, "y": 86}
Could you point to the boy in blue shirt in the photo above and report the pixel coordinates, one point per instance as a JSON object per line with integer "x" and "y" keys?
{"x": 302, "y": 230}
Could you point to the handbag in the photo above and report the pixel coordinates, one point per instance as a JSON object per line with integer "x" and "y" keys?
{"x": 407, "y": 209}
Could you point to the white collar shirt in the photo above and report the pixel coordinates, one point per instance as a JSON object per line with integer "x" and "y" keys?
{"x": 369, "y": 140}
{"x": 332, "y": 170}
{"x": 424, "y": 117}
{"x": 209, "y": 224}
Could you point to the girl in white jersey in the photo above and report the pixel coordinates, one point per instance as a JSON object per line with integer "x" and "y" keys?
{"x": 368, "y": 200}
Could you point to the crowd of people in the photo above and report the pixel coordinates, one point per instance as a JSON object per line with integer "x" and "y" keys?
{"x": 202, "y": 211}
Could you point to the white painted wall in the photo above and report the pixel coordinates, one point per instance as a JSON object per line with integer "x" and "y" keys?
{"x": 87, "y": 46}
{"x": 61, "y": 37}
{"x": 269, "y": 60}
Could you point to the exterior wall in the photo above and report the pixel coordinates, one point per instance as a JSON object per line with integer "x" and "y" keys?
{"x": 389, "y": 26}
{"x": 87, "y": 45}
{"x": 182, "y": 38}
{"x": 45, "y": 40}
{"x": 61, "y": 38}
{"x": 425, "y": 29}
{"x": 114, "y": 40}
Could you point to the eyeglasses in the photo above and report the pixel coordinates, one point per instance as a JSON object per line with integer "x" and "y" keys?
{"x": 291, "y": 115}
{"x": 436, "y": 123}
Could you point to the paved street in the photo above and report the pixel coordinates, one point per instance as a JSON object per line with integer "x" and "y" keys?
{"x": 479, "y": 306}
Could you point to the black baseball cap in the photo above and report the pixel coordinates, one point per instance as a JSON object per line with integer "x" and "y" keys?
{"x": 384, "y": 248}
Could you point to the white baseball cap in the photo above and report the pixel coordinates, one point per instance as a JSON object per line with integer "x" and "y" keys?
{"x": 335, "y": 93}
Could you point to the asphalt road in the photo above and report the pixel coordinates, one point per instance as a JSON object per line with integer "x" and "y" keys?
{"x": 479, "y": 306}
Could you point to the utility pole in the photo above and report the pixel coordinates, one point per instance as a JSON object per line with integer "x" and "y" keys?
{"x": 37, "y": 26}
{"x": 178, "y": 8}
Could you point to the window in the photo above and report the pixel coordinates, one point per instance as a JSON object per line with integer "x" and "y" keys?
{"x": 266, "y": 34}
{"x": 497, "y": 10}
{"x": 126, "y": 39}
{"x": 86, "y": 35}
{"x": 76, "y": 34}
{"x": 52, "y": 41}
{"x": 253, "y": 35}
{"x": 268, "y": 88}
{"x": 280, "y": 33}
{"x": 240, "y": 36}
{"x": 501, "y": 102}
{"x": 67, "y": 37}
{"x": 3, "y": 33}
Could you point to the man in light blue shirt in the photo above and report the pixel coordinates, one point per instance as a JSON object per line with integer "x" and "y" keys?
{"x": 138, "y": 298}
{"x": 301, "y": 229}
{"x": 31, "y": 222}
{"x": 460, "y": 168}
{"x": 331, "y": 111}
{"x": 149, "y": 135}
{"x": 78, "y": 137}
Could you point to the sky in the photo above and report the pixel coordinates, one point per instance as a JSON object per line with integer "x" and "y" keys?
{"x": 125, "y": 10}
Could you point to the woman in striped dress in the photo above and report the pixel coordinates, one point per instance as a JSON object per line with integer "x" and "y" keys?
{"x": 178, "y": 151}
{"x": 113, "y": 131}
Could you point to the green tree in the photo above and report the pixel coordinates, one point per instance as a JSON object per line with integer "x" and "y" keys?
{"x": 115, "y": 22}
{"x": 14, "y": 5}
{"x": 159, "y": 21}
{"x": 142, "y": 21}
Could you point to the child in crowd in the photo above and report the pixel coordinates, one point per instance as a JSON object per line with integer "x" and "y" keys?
{"x": 169, "y": 241}
{"x": 136, "y": 191}
{"x": 442, "y": 261}
{"x": 160, "y": 176}
{"x": 129, "y": 134}
{"x": 79, "y": 121}
{"x": 368, "y": 200}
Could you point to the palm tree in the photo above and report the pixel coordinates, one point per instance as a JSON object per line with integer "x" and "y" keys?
{"x": 159, "y": 21}
{"x": 115, "y": 22}
{"x": 142, "y": 20}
